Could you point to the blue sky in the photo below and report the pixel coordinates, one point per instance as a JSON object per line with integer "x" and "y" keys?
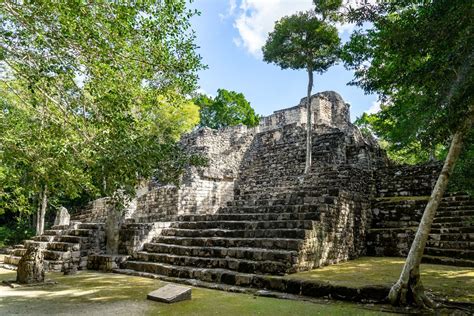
{"x": 230, "y": 34}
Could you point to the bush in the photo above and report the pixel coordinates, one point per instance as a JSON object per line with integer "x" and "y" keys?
{"x": 21, "y": 230}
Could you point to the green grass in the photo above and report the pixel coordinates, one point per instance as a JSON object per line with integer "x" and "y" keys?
{"x": 93, "y": 293}
{"x": 455, "y": 283}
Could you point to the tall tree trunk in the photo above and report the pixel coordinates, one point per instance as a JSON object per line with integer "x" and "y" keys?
{"x": 42, "y": 213}
{"x": 409, "y": 290}
{"x": 309, "y": 124}
{"x": 38, "y": 212}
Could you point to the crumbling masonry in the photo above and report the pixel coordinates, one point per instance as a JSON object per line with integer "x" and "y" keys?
{"x": 252, "y": 212}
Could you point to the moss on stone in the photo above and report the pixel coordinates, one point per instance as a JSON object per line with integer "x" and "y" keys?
{"x": 454, "y": 283}
{"x": 94, "y": 293}
{"x": 402, "y": 198}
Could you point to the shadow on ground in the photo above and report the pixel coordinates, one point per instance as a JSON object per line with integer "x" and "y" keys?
{"x": 93, "y": 293}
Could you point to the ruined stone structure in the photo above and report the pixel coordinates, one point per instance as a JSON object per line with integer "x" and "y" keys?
{"x": 252, "y": 212}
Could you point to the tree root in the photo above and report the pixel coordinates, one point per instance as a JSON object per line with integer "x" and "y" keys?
{"x": 410, "y": 293}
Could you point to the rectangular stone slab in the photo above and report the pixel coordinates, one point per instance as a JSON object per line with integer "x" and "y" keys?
{"x": 170, "y": 293}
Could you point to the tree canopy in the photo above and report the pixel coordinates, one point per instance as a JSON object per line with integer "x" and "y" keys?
{"x": 419, "y": 59}
{"x": 93, "y": 96}
{"x": 228, "y": 108}
{"x": 302, "y": 41}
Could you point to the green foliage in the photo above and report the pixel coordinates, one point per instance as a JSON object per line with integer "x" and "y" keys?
{"x": 228, "y": 108}
{"x": 302, "y": 41}
{"x": 371, "y": 125}
{"x": 419, "y": 59}
{"x": 328, "y": 9}
{"x": 171, "y": 170}
{"x": 90, "y": 94}
{"x": 463, "y": 175}
{"x": 16, "y": 231}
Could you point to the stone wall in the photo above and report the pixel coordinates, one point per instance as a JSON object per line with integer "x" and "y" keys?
{"x": 203, "y": 190}
{"x": 407, "y": 180}
{"x": 401, "y": 194}
{"x": 133, "y": 236}
{"x": 328, "y": 108}
{"x": 94, "y": 212}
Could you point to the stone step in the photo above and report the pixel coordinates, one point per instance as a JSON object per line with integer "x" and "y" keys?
{"x": 60, "y": 255}
{"x": 208, "y": 275}
{"x": 80, "y": 232}
{"x": 452, "y": 237}
{"x": 45, "y": 238}
{"x": 41, "y": 244}
{"x": 63, "y": 246}
{"x": 463, "y": 220}
{"x": 450, "y": 225}
{"x": 255, "y": 254}
{"x": 246, "y": 209}
{"x": 285, "y": 202}
{"x": 257, "y": 233}
{"x": 251, "y": 217}
{"x": 60, "y": 227}
{"x": 442, "y": 229}
{"x": 269, "y": 243}
{"x": 452, "y": 253}
{"x": 13, "y": 260}
{"x": 73, "y": 239}
{"x": 450, "y": 244}
{"x": 441, "y": 214}
{"x": 52, "y": 232}
{"x": 91, "y": 226}
{"x": 448, "y": 261}
{"x": 292, "y": 196}
{"x": 239, "y": 265}
{"x": 18, "y": 252}
{"x": 245, "y": 225}
{"x": 466, "y": 203}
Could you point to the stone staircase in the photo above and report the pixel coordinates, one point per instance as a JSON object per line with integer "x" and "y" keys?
{"x": 64, "y": 245}
{"x": 277, "y": 223}
{"x": 451, "y": 239}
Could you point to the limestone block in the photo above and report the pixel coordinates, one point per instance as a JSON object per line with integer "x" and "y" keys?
{"x": 170, "y": 293}
{"x": 62, "y": 217}
{"x": 31, "y": 266}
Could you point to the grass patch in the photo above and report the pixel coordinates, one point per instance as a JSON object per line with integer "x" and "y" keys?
{"x": 454, "y": 283}
{"x": 94, "y": 293}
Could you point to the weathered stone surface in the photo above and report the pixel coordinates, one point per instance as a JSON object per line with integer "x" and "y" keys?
{"x": 251, "y": 212}
{"x": 31, "y": 267}
{"x": 62, "y": 217}
{"x": 105, "y": 263}
{"x": 170, "y": 293}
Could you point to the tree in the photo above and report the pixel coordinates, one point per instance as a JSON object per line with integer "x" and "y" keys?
{"x": 303, "y": 41}
{"x": 101, "y": 88}
{"x": 418, "y": 57}
{"x": 413, "y": 152}
{"x": 228, "y": 108}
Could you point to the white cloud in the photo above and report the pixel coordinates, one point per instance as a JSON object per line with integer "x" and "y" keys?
{"x": 254, "y": 19}
{"x": 202, "y": 91}
{"x": 230, "y": 11}
{"x": 374, "y": 108}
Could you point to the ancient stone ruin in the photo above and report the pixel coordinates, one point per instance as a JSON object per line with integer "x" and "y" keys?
{"x": 62, "y": 217}
{"x": 31, "y": 266}
{"x": 251, "y": 211}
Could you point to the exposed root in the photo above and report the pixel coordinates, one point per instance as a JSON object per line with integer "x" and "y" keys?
{"x": 410, "y": 293}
